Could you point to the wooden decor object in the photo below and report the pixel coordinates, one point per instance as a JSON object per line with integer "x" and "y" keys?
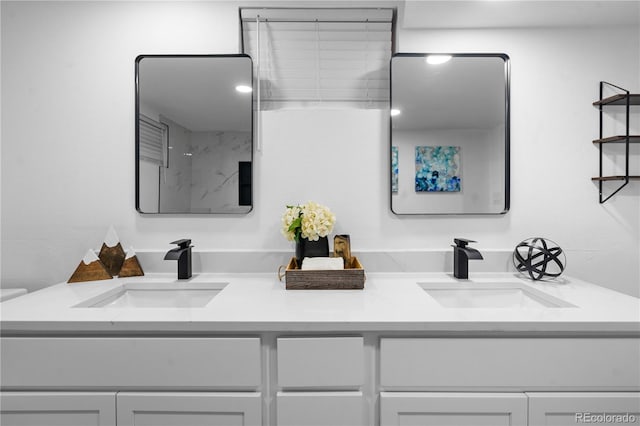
{"x": 90, "y": 269}
{"x": 350, "y": 278}
{"x": 131, "y": 266}
{"x": 342, "y": 247}
{"x": 111, "y": 253}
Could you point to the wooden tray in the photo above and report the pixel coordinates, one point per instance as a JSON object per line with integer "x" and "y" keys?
{"x": 350, "y": 278}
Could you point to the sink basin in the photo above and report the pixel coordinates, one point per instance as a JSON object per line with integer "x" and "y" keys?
{"x": 156, "y": 295}
{"x": 490, "y": 295}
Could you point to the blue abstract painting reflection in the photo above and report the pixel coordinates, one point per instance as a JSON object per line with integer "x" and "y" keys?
{"x": 438, "y": 169}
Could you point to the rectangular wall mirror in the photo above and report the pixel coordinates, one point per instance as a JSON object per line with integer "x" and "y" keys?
{"x": 449, "y": 133}
{"x": 194, "y": 134}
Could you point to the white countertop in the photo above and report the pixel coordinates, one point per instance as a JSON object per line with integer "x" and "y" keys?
{"x": 10, "y": 293}
{"x": 390, "y": 302}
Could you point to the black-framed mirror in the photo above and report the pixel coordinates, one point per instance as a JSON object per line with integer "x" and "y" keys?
{"x": 449, "y": 133}
{"x": 194, "y": 134}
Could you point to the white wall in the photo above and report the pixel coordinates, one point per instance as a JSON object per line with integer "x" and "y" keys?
{"x": 481, "y": 171}
{"x": 555, "y": 75}
{"x": 68, "y": 144}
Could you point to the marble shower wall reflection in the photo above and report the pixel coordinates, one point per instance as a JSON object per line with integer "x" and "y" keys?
{"x": 175, "y": 180}
{"x": 203, "y": 170}
{"x": 215, "y": 170}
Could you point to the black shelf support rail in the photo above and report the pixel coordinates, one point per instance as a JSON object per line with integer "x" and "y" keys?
{"x": 626, "y": 165}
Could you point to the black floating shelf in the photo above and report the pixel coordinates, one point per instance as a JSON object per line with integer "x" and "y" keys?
{"x": 620, "y": 99}
{"x": 625, "y": 99}
{"x": 619, "y": 139}
{"x": 604, "y": 178}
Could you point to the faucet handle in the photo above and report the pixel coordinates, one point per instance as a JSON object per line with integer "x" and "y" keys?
{"x": 462, "y": 242}
{"x": 183, "y": 243}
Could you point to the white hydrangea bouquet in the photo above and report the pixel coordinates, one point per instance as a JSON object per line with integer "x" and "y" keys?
{"x": 311, "y": 221}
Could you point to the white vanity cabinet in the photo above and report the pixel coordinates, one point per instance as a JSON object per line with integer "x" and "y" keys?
{"x": 151, "y": 381}
{"x": 427, "y": 380}
{"x": 260, "y": 355}
{"x": 57, "y": 409}
{"x": 320, "y": 381}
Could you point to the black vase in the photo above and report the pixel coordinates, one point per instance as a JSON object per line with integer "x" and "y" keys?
{"x": 308, "y": 248}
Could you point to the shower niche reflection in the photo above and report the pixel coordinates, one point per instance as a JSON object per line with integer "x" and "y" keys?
{"x": 194, "y": 134}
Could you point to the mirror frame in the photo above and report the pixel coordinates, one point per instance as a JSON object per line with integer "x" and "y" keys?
{"x": 137, "y": 131}
{"x": 507, "y": 136}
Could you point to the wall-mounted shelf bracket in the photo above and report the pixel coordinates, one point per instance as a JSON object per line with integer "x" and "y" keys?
{"x": 625, "y": 99}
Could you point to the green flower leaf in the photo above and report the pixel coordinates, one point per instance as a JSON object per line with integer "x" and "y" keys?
{"x": 296, "y": 224}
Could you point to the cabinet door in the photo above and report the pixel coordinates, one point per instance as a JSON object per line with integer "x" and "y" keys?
{"x": 455, "y": 409}
{"x": 189, "y": 409}
{"x": 57, "y": 409}
{"x": 566, "y": 408}
{"x": 320, "y": 408}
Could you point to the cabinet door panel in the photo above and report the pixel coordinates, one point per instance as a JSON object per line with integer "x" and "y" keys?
{"x": 455, "y": 409}
{"x": 320, "y": 408}
{"x": 189, "y": 409}
{"x": 185, "y": 418}
{"x": 57, "y": 409}
{"x": 569, "y": 409}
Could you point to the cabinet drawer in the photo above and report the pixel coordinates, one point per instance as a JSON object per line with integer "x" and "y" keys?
{"x": 320, "y": 408}
{"x": 510, "y": 363}
{"x": 126, "y": 363}
{"x": 331, "y": 362}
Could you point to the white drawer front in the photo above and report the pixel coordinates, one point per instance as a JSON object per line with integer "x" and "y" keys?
{"x": 124, "y": 363}
{"x": 320, "y": 408}
{"x": 513, "y": 363}
{"x": 325, "y": 362}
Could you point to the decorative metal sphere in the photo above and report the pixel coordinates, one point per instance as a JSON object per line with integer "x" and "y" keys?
{"x": 539, "y": 258}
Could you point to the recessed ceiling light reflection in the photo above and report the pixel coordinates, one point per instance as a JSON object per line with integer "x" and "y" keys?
{"x": 395, "y": 112}
{"x": 244, "y": 89}
{"x": 438, "y": 59}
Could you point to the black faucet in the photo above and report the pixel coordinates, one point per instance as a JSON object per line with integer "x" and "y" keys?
{"x": 183, "y": 255}
{"x": 461, "y": 256}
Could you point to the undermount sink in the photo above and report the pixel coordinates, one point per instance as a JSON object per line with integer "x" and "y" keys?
{"x": 156, "y": 295}
{"x": 491, "y": 295}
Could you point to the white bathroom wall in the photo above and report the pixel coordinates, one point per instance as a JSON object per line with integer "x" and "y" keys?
{"x": 555, "y": 75}
{"x": 1, "y": 155}
{"x": 68, "y": 124}
{"x": 481, "y": 171}
{"x": 68, "y": 144}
